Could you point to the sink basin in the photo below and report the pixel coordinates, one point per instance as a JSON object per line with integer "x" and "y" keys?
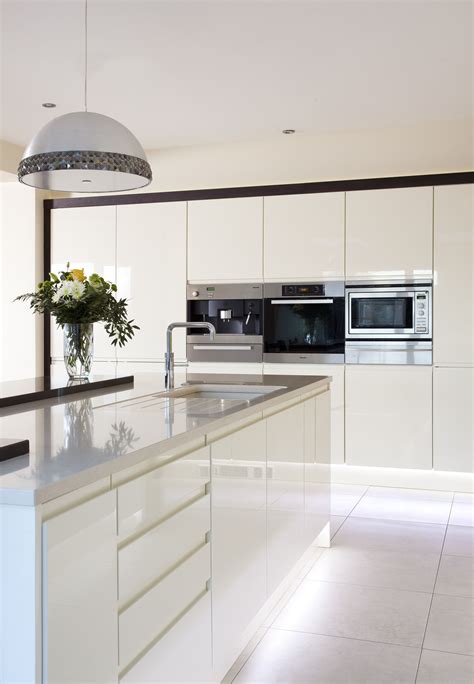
{"x": 223, "y": 392}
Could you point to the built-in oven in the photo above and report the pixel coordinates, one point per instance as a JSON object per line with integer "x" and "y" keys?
{"x": 389, "y": 323}
{"x": 236, "y": 313}
{"x": 304, "y": 323}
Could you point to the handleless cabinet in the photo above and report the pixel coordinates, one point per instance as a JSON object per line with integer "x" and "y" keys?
{"x": 389, "y": 233}
{"x": 80, "y": 594}
{"x": 225, "y": 238}
{"x": 453, "y": 410}
{"x": 85, "y": 237}
{"x": 453, "y": 297}
{"x": 151, "y": 274}
{"x": 304, "y": 237}
{"x": 389, "y": 416}
{"x": 239, "y": 588}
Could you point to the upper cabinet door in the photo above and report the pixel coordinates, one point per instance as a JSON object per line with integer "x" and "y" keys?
{"x": 304, "y": 237}
{"x": 84, "y": 236}
{"x": 151, "y": 273}
{"x": 389, "y": 233}
{"x": 453, "y": 298}
{"x": 225, "y": 240}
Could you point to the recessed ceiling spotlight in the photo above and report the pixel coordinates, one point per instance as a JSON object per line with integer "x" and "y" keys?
{"x": 48, "y": 105}
{"x": 288, "y": 131}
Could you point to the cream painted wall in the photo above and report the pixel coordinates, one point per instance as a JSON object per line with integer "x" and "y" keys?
{"x": 20, "y": 269}
{"x": 10, "y": 156}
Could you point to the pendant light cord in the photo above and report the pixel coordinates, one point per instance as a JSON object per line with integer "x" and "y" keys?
{"x": 85, "y": 56}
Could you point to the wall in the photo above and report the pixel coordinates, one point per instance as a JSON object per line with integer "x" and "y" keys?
{"x": 20, "y": 270}
{"x": 436, "y": 148}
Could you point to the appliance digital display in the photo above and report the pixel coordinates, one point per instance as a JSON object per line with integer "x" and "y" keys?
{"x": 317, "y": 290}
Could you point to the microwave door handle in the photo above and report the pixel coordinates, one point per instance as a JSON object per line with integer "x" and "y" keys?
{"x": 301, "y": 301}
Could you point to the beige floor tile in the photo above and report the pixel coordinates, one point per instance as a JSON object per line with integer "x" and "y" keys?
{"x": 451, "y": 625}
{"x": 335, "y": 523}
{"x": 445, "y": 668}
{"x": 345, "y": 610}
{"x": 391, "y": 535}
{"x": 463, "y": 510}
{"x": 409, "y": 505}
{"x": 459, "y": 541}
{"x": 455, "y": 576}
{"x": 389, "y": 569}
{"x": 294, "y": 658}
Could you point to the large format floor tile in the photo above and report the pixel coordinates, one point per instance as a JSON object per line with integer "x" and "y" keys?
{"x": 389, "y": 569}
{"x": 405, "y": 505}
{"x": 455, "y": 576}
{"x": 294, "y": 658}
{"x": 463, "y": 510}
{"x": 335, "y": 523}
{"x": 451, "y": 625}
{"x": 391, "y": 535}
{"x": 346, "y": 610}
{"x": 445, "y": 668}
{"x": 459, "y": 541}
{"x": 344, "y": 497}
{"x": 410, "y": 505}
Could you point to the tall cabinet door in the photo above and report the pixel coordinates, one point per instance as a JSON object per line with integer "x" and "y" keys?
{"x": 84, "y": 236}
{"x": 225, "y": 238}
{"x": 151, "y": 273}
{"x": 389, "y": 233}
{"x": 453, "y": 410}
{"x": 287, "y": 534}
{"x": 304, "y": 236}
{"x": 238, "y": 538}
{"x": 453, "y": 298}
{"x": 80, "y": 594}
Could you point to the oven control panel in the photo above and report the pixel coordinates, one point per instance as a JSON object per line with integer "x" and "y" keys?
{"x": 421, "y": 312}
{"x": 313, "y": 290}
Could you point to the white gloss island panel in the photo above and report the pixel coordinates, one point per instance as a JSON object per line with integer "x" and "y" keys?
{"x": 389, "y": 416}
{"x": 86, "y": 237}
{"x": 453, "y": 413}
{"x": 225, "y": 240}
{"x": 151, "y": 267}
{"x": 453, "y": 336}
{"x": 389, "y": 234}
{"x": 304, "y": 237}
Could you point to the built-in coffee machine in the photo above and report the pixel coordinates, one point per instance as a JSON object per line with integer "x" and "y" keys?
{"x": 236, "y": 313}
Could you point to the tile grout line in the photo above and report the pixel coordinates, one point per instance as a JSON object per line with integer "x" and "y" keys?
{"x": 434, "y": 587}
{"x": 346, "y": 638}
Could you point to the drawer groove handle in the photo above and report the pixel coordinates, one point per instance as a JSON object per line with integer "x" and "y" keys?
{"x": 156, "y": 523}
{"x": 163, "y": 632}
{"x": 164, "y": 463}
{"x": 151, "y": 585}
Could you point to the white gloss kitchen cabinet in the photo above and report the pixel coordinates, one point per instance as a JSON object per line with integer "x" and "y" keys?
{"x": 453, "y": 411}
{"x": 304, "y": 237}
{"x": 225, "y": 240}
{"x": 389, "y": 416}
{"x": 151, "y": 267}
{"x": 389, "y": 234}
{"x": 453, "y": 296}
{"x": 337, "y": 372}
{"x": 84, "y": 236}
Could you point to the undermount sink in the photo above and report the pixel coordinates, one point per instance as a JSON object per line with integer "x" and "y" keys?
{"x": 223, "y": 392}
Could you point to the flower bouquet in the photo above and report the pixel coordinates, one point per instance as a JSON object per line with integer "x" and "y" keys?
{"x": 77, "y": 302}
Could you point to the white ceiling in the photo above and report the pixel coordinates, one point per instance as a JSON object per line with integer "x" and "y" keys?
{"x": 188, "y": 71}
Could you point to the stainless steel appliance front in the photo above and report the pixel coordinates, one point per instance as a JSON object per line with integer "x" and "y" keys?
{"x": 389, "y": 323}
{"x": 236, "y": 312}
{"x": 304, "y": 323}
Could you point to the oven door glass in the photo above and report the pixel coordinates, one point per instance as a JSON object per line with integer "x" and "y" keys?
{"x": 381, "y": 313}
{"x": 316, "y": 328}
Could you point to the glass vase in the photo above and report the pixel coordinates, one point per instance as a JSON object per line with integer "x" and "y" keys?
{"x": 78, "y": 349}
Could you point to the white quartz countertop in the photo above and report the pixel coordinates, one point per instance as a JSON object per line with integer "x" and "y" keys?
{"x": 75, "y": 441}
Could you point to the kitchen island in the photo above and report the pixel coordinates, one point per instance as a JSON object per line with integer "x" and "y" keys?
{"x": 147, "y": 534}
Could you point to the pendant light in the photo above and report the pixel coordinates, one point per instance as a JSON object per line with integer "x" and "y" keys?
{"x": 85, "y": 152}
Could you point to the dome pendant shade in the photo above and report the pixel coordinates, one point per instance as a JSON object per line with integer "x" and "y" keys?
{"x": 85, "y": 152}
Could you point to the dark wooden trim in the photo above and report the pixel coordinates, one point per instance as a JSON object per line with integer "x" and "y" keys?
{"x": 46, "y": 270}
{"x": 266, "y": 190}
{"x": 458, "y": 178}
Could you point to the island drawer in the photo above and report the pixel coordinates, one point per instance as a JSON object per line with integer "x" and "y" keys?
{"x": 147, "y": 499}
{"x": 144, "y": 560}
{"x": 145, "y": 621}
